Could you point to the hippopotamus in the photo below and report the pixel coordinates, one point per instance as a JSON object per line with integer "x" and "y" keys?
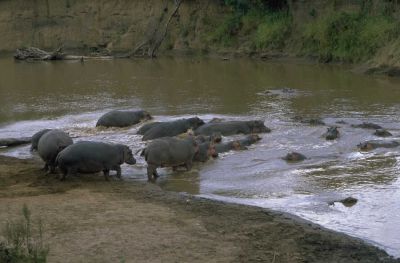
{"x": 312, "y": 121}
{"x": 215, "y": 138}
{"x": 169, "y": 152}
{"x": 93, "y": 157}
{"x": 237, "y": 145}
{"x": 36, "y": 137}
{"x": 50, "y": 144}
{"x": 147, "y": 127}
{"x": 348, "y": 201}
{"x": 332, "y": 133}
{"x": 232, "y": 127}
{"x": 173, "y": 128}
{"x": 382, "y": 133}
{"x": 373, "y": 144}
{"x": 206, "y": 150}
{"x": 367, "y": 125}
{"x": 249, "y": 140}
{"x": 294, "y": 157}
{"x": 117, "y": 118}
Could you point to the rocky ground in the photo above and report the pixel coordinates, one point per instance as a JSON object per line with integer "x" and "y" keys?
{"x": 87, "y": 219}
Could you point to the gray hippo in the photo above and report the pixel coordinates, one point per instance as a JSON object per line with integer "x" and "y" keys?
{"x": 332, "y": 133}
{"x": 93, "y": 157}
{"x": 367, "y": 125}
{"x": 373, "y": 144}
{"x": 147, "y": 127}
{"x": 169, "y": 152}
{"x": 382, "y": 133}
{"x": 249, "y": 140}
{"x": 206, "y": 150}
{"x": 232, "y": 127}
{"x": 172, "y": 128}
{"x": 294, "y": 157}
{"x": 36, "y": 137}
{"x": 117, "y": 118}
{"x": 50, "y": 144}
{"x": 215, "y": 138}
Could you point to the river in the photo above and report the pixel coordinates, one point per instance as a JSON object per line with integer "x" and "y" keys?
{"x": 72, "y": 95}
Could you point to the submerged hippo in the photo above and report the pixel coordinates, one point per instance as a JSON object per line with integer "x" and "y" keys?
{"x": 206, "y": 150}
{"x": 172, "y": 128}
{"x": 93, "y": 157}
{"x": 294, "y": 157}
{"x": 237, "y": 145}
{"x": 332, "y": 133}
{"x": 117, "y": 118}
{"x": 249, "y": 140}
{"x": 169, "y": 152}
{"x": 147, "y": 127}
{"x": 367, "y": 125}
{"x": 50, "y": 144}
{"x": 312, "y": 121}
{"x": 232, "y": 127}
{"x": 36, "y": 137}
{"x": 373, "y": 144}
{"x": 382, "y": 133}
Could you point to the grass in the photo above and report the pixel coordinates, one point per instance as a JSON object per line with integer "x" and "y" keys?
{"x": 23, "y": 240}
{"x": 349, "y": 37}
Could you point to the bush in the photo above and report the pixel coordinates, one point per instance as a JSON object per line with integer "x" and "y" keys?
{"x": 23, "y": 241}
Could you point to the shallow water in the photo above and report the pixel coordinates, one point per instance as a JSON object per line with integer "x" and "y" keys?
{"x": 71, "y": 96}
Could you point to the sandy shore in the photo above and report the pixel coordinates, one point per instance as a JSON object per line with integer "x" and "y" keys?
{"x": 90, "y": 220}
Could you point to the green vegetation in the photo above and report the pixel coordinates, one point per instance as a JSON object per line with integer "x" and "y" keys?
{"x": 331, "y": 34}
{"x": 23, "y": 241}
{"x": 349, "y": 37}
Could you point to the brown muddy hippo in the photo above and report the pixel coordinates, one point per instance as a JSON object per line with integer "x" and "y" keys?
{"x": 294, "y": 157}
{"x": 373, "y": 144}
{"x": 172, "y": 128}
{"x": 50, "y": 144}
{"x": 232, "y": 128}
{"x": 169, "y": 152}
{"x": 117, "y": 118}
{"x": 93, "y": 157}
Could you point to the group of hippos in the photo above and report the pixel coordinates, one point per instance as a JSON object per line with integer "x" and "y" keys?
{"x": 174, "y": 144}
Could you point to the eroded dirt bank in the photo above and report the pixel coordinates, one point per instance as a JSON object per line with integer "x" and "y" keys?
{"x": 89, "y": 220}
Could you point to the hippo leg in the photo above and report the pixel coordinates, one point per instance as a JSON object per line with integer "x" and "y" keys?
{"x": 106, "y": 174}
{"x": 118, "y": 169}
{"x": 174, "y": 168}
{"x": 69, "y": 171}
{"x": 46, "y": 167}
{"x": 52, "y": 168}
{"x": 151, "y": 172}
{"x": 188, "y": 165}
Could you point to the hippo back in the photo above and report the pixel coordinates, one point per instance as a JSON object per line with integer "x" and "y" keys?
{"x": 36, "y": 137}
{"x": 118, "y": 118}
{"x": 169, "y": 129}
{"x": 51, "y": 143}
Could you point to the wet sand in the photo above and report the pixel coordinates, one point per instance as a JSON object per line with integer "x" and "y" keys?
{"x": 87, "y": 219}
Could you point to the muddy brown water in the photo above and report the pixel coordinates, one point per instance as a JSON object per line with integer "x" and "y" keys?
{"x": 72, "y": 95}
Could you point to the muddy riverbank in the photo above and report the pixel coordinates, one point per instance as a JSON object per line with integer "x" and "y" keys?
{"x": 89, "y": 220}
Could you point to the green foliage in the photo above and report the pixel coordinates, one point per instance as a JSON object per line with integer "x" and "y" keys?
{"x": 349, "y": 37}
{"x": 273, "y": 31}
{"x": 23, "y": 241}
{"x": 225, "y": 32}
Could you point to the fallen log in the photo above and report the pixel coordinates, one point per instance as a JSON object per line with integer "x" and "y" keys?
{"x": 33, "y": 53}
{"x": 9, "y": 142}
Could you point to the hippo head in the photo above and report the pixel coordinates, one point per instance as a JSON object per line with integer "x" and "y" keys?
{"x": 258, "y": 127}
{"x": 294, "y": 157}
{"x": 195, "y": 122}
{"x": 365, "y": 146}
{"x": 127, "y": 155}
{"x": 254, "y": 138}
{"x": 236, "y": 145}
{"x": 145, "y": 115}
{"x": 216, "y": 137}
{"x": 212, "y": 151}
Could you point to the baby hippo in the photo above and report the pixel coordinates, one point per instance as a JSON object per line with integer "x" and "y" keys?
{"x": 117, "y": 118}
{"x": 50, "y": 144}
{"x": 169, "y": 152}
{"x": 93, "y": 157}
